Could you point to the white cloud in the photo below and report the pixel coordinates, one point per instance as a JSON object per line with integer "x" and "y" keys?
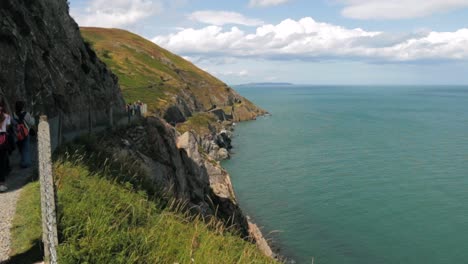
{"x": 241, "y": 73}
{"x": 220, "y": 18}
{"x": 101, "y": 13}
{"x": 307, "y": 39}
{"x": 398, "y": 9}
{"x": 265, "y": 3}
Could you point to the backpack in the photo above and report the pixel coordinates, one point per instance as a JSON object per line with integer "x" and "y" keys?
{"x": 22, "y": 130}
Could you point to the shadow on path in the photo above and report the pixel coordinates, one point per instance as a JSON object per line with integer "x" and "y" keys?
{"x": 15, "y": 181}
{"x": 18, "y": 176}
{"x": 32, "y": 255}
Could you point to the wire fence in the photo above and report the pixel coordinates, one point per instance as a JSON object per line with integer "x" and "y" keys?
{"x": 51, "y": 134}
{"x": 66, "y": 127}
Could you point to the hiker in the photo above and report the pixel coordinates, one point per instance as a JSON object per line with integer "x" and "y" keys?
{"x": 24, "y": 121}
{"x": 138, "y": 108}
{"x": 132, "y": 108}
{"x": 129, "y": 112}
{"x": 5, "y": 122}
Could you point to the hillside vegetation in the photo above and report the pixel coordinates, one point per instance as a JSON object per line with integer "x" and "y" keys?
{"x": 160, "y": 78}
{"x": 104, "y": 220}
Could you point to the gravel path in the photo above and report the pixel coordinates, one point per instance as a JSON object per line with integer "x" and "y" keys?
{"x": 15, "y": 181}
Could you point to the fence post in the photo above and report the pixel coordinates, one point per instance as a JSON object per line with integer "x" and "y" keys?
{"x": 49, "y": 218}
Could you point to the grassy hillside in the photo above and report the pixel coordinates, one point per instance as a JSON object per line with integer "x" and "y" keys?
{"x": 150, "y": 73}
{"x": 103, "y": 221}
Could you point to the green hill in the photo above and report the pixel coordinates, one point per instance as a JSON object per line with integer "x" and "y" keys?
{"x": 171, "y": 86}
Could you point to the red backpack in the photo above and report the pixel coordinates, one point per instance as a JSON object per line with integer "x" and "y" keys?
{"x": 21, "y": 130}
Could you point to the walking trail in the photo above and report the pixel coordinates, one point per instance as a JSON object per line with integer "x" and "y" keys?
{"x": 15, "y": 182}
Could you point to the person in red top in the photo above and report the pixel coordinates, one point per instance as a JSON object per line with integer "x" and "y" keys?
{"x": 24, "y": 118}
{"x": 5, "y": 122}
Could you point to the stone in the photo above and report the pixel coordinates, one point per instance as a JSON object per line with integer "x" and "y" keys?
{"x": 222, "y": 154}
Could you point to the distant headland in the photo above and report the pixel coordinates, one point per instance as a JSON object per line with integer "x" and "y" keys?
{"x": 266, "y": 84}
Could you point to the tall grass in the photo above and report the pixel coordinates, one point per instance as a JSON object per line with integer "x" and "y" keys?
{"x": 103, "y": 219}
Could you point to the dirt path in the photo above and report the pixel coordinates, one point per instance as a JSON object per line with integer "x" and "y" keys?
{"x": 15, "y": 182}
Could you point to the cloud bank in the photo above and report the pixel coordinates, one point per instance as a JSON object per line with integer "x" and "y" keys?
{"x": 308, "y": 39}
{"x": 266, "y": 3}
{"x": 220, "y": 18}
{"x": 398, "y": 9}
{"x": 119, "y": 13}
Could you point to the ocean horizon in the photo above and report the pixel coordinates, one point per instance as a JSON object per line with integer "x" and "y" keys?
{"x": 357, "y": 174}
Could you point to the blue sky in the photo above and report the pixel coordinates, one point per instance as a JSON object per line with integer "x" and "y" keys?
{"x": 298, "y": 41}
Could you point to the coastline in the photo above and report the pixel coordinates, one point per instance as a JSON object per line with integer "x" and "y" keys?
{"x": 255, "y": 232}
{"x": 268, "y": 245}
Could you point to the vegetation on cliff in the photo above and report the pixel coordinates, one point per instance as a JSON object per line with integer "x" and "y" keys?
{"x": 105, "y": 220}
{"x": 172, "y": 87}
{"x": 202, "y": 123}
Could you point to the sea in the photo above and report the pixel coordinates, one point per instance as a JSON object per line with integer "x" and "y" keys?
{"x": 357, "y": 174}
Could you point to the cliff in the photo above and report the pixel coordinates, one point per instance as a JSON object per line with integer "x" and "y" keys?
{"x": 177, "y": 166}
{"x": 173, "y": 87}
{"x": 45, "y": 62}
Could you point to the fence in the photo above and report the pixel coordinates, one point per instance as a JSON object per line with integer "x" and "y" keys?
{"x": 51, "y": 134}
{"x": 66, "y": 127}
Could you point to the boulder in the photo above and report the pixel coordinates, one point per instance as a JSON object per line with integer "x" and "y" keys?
{"x": 222, "y": 154}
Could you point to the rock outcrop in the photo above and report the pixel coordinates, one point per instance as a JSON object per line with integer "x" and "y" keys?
{"x": 45, "y": 62}
{"x": 179, "y": 166}
{"x": 181, "y": 169}
{"x": 217, "y": 144}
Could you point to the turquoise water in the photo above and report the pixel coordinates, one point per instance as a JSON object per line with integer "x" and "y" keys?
{"x": 358, "y": 174}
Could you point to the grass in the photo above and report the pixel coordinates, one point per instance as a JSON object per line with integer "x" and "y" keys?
{"x": 202, "y": 123}
{"x": 27, "y": 226}
{"x": 107, "y": 220}
{"x": 152, "y": 74}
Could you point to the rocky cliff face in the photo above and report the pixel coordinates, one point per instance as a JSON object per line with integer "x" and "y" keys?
{"x": 45, "y": 62}
{"x": 179, "y": 166}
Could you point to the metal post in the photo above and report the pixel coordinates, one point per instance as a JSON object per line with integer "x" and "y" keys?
{"x": 49, "y": 218}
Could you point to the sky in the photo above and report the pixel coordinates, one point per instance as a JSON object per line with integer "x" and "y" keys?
{"x": 358, "y": 42}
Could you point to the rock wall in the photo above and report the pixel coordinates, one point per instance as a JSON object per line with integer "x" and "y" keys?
{"x": 179, "y": 165}
{"x": 45, "y": 62}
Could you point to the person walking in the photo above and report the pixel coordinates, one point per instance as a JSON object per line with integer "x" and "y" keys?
{"x": 128, "y": 108}
{"x": 24, "y": 121}
{"x": 5, "y": 122}
{"x": 133, "y": 108}
{"x": 138, "y": 108}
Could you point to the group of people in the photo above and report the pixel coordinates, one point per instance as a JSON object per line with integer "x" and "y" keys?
{"x": 16, "y": 130}
{"x": 133, "y": 109}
